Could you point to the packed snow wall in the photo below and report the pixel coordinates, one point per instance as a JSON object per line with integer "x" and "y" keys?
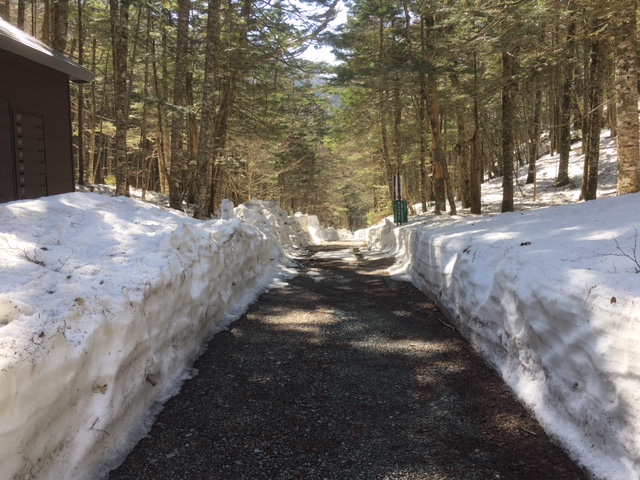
{"x": 555, "y": 313}
{"x": 318, "y": 234}
{"x": 104, "y": 304}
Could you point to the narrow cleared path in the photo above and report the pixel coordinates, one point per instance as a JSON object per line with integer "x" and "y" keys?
{"x": 344, "y": 374}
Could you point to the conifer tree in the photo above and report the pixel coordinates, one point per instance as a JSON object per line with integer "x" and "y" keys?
{"x": 626, "y": 86}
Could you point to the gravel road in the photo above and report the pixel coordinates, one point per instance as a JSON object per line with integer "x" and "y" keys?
{"x": 344, "y": 374}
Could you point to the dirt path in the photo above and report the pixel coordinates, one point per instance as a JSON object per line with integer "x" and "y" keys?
{"x": 344, "y": 374}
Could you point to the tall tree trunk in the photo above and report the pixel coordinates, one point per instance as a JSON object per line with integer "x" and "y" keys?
{"x": 386, "y": 157}
{"x": 133, "y": 57}
{"x": 161, "y": 89}
{"x": 422, "y": 105}
{"x": 442, "y": 182}
{"x": 81, "y": 174}
{"x": 5, "y": 10}
{"x": 565, "y": 109}
{"x": 34, "y": 18}
{"x": 221, "y": 125}
{"x": 94, "y": 126}
{"x": 46, "y": 21}
{"x": 397, "y": 122}
{"x": 462, "y": 149}
{"x": 144, "y": 147}
{"x": 134, "y": 162}
{"x": 227, "y": 100}
{"x": 584, "y": 124}
{"x": 424, "y": 175}
{"x": 100, "y": 163}
{"x": 163, "y": 173}
{"x": 536, "y": 130}
{"x": 594, "y": 114}
{"x": 60, "y": 22}
{"x": 179, "y": 164}
{"x": 552, "y": 97}
{"x": 626, "y": 86}
{"x": 207, "y": 122}
{"x": 20, "y": 20}
{"x": 463, "y": 158}
{"x": 192, "y": 119}
{"x": 509, "y": 92}
{"x": 475, "y": 163}
{"x": 611, "y": 99}
{"x": 119, "y": 14}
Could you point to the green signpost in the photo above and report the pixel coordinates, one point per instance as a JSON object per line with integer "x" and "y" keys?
{"x": 400, "y": 208}
{"x": 400, "y": 212}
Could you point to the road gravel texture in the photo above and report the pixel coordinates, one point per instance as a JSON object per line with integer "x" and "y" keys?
{"x": 344, "y": 374}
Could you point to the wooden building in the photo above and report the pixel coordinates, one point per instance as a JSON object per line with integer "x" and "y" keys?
{"x": 36, "y": 157}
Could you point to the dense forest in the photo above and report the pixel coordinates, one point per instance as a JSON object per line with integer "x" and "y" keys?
{"x": 205, "y": 100}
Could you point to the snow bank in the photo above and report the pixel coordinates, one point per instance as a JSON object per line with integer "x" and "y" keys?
{"x": 104, "y": 304}
{"x": 318, "y": 234}
{"x": 551, "y": 298}
{"x": 275, "y": 222}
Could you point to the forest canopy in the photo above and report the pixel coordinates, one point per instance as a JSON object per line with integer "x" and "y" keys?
{"x": 205, "y": 100}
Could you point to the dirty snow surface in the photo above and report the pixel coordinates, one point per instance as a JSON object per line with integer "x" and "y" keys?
{"x": 550, "y": 297}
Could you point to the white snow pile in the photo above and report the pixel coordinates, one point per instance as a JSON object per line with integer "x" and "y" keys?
{"x": 319, "y": 234}
{"x": 551, "y": 298}
{"x": 274, "y": 222}
{"x": 104, "y": 305}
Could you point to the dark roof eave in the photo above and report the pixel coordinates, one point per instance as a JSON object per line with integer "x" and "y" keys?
{"x": 16, "y": 41}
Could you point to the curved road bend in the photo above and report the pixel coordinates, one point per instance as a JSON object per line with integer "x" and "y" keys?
{"x": 344, "y": 374}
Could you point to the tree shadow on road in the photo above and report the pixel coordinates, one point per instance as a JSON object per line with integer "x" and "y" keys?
{"x": 351, "y": 377}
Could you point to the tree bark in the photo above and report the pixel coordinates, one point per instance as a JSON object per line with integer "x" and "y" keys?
{"x": 584, "y": 124}
{"x": 119, "y": 14}
{"x": 5, "y": 10}
{"x": 565, "y": 109}
{"x": 594, "y": 114}
{"x": 46, "y": 21}
{"x": 462, "y": 149}
{"x": 192, "y": 119}
{"x": 442, "y": 181}
{"x": 20, "y": 19}
{"x": 554, "y": 110}
{"x": 386, "y": 157}
{"x": 463, "y": 158}
{"x": 534, "y": 138}
{"x": 60, "y": 22}
{"x": 179, "y": 164}
{"x": 92, "y": 143}
{"x": 384, "y": 137}
{"x": 144, "y": 145}
{"x": 424, "y": 175}
{"x": 611, "y": 99}
{"x": 626, "y": 87}
{"x": 509, "y": 91}
{"x": 397, "y": 122}
{"x": 81, "y": 174}
{"x": 163, "y": 173}
{"x": 207, "y": 124}
{"x": 475, "y": 163}
{"x": 230, "y": 79}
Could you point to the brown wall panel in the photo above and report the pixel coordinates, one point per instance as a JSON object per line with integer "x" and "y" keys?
{"x": 30, "y": 156}
{"x": 7, "y": 177}
{"x": 36, "y": 90}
